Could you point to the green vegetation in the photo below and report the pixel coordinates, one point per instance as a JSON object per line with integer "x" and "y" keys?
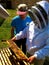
{"x": 5, "y": 28}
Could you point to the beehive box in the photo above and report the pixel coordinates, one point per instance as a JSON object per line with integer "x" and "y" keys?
{"x": 12, "y": 55}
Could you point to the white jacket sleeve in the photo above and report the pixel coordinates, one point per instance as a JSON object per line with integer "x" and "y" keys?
{"x": 21, "y": 34}
{"x": 42, "y": 53}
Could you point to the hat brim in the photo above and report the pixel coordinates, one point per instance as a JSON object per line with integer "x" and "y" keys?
{"x": 21, "y": 13}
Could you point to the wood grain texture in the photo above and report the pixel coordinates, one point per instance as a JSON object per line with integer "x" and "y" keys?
{"x": 17, "y": 51}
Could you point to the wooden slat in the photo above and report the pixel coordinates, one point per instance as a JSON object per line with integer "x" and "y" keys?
{"x": 18, "y": 52}
{"x": 21, "y": 57}
{"x": 4, "y": 56}
{"x": 2, "y": 60}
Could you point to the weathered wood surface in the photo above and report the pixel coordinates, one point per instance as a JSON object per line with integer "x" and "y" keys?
{"x": 7, "y": 57}
{"x": 19, "y": 58}
{"x": 17, "y": 51}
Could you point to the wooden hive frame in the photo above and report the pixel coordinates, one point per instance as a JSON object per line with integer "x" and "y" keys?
{"x": 12, "y": 55}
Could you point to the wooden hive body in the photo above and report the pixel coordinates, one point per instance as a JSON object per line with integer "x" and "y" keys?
{"x": 12, "y": 55}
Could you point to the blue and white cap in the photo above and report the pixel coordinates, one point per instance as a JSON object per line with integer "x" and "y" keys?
{"x": 39, "y": 13}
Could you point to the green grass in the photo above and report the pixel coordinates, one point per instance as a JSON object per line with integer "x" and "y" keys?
{"x": 6, "y": 27}
{"x": 3, "y": 45}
